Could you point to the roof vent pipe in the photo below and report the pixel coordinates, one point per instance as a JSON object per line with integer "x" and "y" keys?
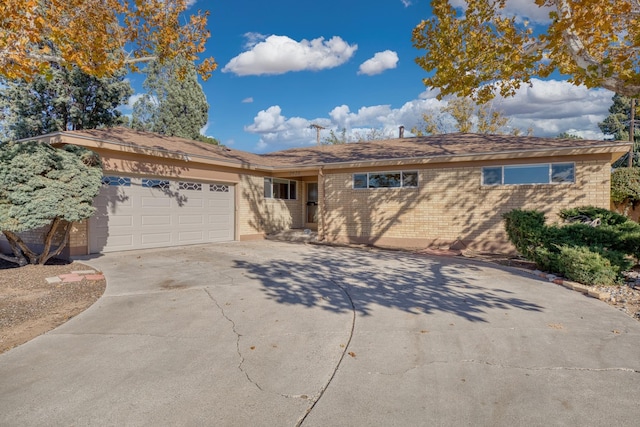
{"x": 401, "y": 132}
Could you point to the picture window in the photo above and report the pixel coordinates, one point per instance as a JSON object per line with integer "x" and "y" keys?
{"x": 385, "y": 180}
{"x": 543, "y": 173}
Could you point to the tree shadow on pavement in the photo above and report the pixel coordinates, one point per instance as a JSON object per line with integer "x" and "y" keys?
{"x": 408, "y": 282}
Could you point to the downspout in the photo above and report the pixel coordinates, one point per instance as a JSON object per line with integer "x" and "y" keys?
{"x": 323, "y": 203}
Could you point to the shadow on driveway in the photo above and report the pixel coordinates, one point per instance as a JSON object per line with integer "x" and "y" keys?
{"x": 407, "y": 282}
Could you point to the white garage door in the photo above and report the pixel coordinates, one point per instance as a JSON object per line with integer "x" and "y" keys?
{"x": 139, "y": 212}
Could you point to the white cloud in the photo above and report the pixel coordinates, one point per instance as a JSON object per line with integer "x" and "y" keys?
{"x": 268, "y": 121}
{"x": 191, "y": 3}
{"x": 278, "y": 132}
{"x": 132, "y": 100}
{"x": 253, "y": 39}
{"x": 406, "y": 3}
{"x": 521, "y": 9}
{"x": 281, "y": 54}
{"x": 551, "y": 107}
{"x": 380, "y": 62}
{"x": 548, "y": 107}
{"x": 248, "y": 100}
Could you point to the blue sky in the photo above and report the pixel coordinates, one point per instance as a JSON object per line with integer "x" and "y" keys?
{"x": 284, "y": 65}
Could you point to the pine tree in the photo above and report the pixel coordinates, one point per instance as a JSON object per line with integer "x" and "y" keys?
{"x": 617, "y": 122}
{"x": 175, "y": 104}
{"x": 65, "y": 99}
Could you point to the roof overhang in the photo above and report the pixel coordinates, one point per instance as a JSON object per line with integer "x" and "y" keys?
{"x": 63, "y": 138}
{"x": 614, "y": 150}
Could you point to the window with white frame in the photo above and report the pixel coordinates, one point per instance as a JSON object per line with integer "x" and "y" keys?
{"x": 385, "y": 180}
{"x": 276, "y": 188}
{"x": 541, "y": 173}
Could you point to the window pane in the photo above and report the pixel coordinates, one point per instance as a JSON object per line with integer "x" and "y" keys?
{"x": 531, "y": 174}
{"x": 155, "y": 183}
{"x": 267, "y": 188}
{"x": 562, "y": 172}
{"x": 219, "y": 188}
{"x": 492, "y": 176}
{"x": 193, "y": 186}
{"x": 360, "y": 180}
{"x": 384, "y": 180}
{"x": 409, "y": 179}
{"x": 292, "y": 190}
{"x": 280, "y": 188}
{"x": 116, "y": 181}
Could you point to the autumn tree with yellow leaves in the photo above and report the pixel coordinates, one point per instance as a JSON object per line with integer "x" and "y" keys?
{"x": 98, "y": 36}
{"x": 481, "y": 51}
{"x": 464, "y": 115}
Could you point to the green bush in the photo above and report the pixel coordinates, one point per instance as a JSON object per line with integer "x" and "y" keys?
{"x": 586, "y": 266}
{"x": 578, "y": 234}
{"x": 625, "y": 186}
{"x": 526, "y": 230}
{"x": 579, "y": 251}
{"x": 606, "y": 216}
{"x": 546, "y": 259}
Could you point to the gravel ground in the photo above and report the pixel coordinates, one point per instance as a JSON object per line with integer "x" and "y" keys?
{"x": 29, "y": 306}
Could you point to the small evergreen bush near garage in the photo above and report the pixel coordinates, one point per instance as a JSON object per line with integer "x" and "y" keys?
{"x": 594, "y": 246}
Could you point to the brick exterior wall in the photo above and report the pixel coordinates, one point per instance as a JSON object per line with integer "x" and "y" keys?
{"x": 78, "y": 239}
{"x": 35, "y": 239}
{"x": 449, "y": 206}
{"x": 258, "y": 215}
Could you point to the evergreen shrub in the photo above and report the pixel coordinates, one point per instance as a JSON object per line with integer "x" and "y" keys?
{"x": 588, "y": 251}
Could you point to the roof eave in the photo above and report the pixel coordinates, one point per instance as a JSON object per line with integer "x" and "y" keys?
{"x": 93, "y": 142}
{"x": 476, "y": 157}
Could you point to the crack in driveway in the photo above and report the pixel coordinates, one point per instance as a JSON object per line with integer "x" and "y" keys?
{"x": 344, "y": 352}
{"x": 238, "y": 336}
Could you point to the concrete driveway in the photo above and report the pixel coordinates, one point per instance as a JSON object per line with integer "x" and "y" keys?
{"x": 277, "y": 334}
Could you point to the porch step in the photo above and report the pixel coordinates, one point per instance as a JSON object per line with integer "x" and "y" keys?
{"x": 294, "y": 235}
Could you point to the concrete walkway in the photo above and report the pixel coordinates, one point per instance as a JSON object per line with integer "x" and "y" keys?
{"x": 279, "y": 334}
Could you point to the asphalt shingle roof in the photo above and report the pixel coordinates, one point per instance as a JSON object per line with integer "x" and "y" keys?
{"x": 454, "y": 144}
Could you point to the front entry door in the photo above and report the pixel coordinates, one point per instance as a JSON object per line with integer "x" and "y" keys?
{"x": 312, "y": 205}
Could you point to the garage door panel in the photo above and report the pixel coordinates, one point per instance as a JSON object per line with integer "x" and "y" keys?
{"x": 120, "y": 221}
{"x": 136, "y": 215}
{"x": 156, "y": 239}
{"x": 193, "y": 203}
{"x": 156, "y": 202}
{"x": 122, "y": 241}
{"x": 219, "y": 220}
{"x": 219, "y": 236}
{"x": 191, "y": 219}
{"x": 191, "y": 236}
{"x": 151, "y": 220}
